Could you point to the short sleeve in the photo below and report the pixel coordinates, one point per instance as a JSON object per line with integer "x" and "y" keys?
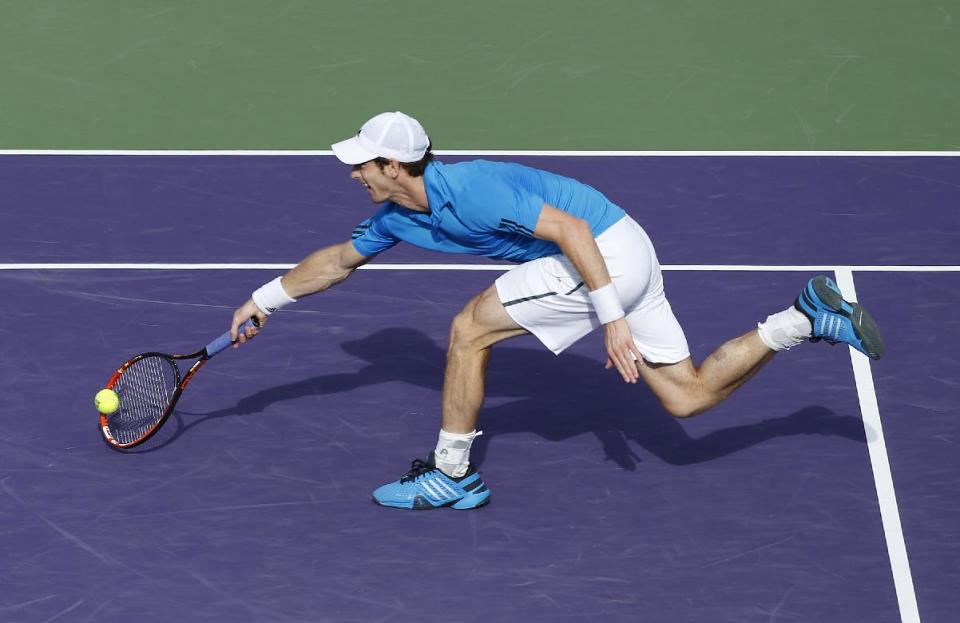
{"x": 494, "y": 204}
{"x": 373, "y": 235}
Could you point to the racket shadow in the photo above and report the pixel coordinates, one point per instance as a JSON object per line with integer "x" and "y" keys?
{"x": 591, "y": 401}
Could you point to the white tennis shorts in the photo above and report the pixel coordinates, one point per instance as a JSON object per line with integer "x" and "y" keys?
{"x": 547, "y": 297}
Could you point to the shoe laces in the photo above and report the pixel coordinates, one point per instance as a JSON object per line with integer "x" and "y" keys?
{"x": 417, "y": 469}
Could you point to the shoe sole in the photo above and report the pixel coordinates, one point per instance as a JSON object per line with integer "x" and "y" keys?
{"x": 468, "y": 502}
{"x": 864, "y": 326}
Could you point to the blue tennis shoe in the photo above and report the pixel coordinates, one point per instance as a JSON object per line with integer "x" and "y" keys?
{"x": 838, "y": 321}
{"x": 426, "y": 487}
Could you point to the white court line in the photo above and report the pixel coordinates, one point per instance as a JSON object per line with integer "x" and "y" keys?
{"x": 477, "y": 152}
{"x": 808, "y": 268}
{"x": 882, "y": 477}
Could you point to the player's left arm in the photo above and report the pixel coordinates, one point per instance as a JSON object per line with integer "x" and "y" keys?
{"x": 575, "y": 239}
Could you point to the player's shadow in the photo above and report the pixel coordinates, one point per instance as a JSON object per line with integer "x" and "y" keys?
{"x": 554, "y": 397}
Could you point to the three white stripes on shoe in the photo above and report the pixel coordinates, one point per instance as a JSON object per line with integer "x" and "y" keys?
{"x": 833, "y": 329}
{"x": 438, "y": 489}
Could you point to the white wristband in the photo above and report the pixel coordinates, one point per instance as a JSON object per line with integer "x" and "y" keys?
{"x": 271, "y": 296}
{"x": 606, "y": 303}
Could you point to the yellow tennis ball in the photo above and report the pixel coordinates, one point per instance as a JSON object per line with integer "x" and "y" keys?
{"x": 106, "y": 401}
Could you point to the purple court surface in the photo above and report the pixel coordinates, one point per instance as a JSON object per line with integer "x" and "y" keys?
{"x": 253, "y": 503}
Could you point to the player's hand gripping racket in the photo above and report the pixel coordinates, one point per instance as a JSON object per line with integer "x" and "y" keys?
{"x": 149, "y": 386}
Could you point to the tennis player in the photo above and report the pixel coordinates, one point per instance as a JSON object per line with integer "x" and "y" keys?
{"x": 582, "y": 264}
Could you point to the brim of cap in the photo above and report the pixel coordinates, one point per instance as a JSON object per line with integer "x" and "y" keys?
{"x": 351, "y": 151}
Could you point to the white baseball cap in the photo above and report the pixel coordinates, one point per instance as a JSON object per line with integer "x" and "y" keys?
{"x": 391, "y": 135}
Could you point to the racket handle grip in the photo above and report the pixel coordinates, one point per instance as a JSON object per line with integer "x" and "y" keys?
{"x": 222, "y": 342}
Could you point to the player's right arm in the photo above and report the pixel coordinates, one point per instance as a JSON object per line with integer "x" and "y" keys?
{"x": 320, "y": 270}
{"x": 323, "y": 269}
{"x": 317, "y": 272}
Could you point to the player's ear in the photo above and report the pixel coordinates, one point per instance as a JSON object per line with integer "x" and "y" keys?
{"x": 394, "y": 168}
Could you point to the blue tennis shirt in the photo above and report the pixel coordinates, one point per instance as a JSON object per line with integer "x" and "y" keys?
{"x": 485, "y": 208}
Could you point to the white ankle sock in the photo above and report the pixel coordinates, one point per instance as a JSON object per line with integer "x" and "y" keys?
{"x": 453, "y": 452}
{"x": 786, "y": 329}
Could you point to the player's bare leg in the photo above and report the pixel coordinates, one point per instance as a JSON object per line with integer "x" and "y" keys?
{"x": 685, "y": 390}
{"x": 480, "y": 325}
{"x": 819, "y": 313}
{"x": 447, "y": 478}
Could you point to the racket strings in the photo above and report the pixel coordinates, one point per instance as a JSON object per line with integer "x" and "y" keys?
{"x": 145, "y": 389}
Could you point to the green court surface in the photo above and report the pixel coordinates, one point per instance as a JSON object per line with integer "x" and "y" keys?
{"x": 615, "y": 75}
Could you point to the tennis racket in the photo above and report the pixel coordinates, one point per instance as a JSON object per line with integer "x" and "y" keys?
{"x": 149, "y": 386}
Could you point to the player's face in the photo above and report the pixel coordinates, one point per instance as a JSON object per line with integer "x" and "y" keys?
{"x": 379, "y": 186}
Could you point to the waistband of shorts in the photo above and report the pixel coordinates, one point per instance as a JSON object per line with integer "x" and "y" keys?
{"x": 619, "y": 223}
